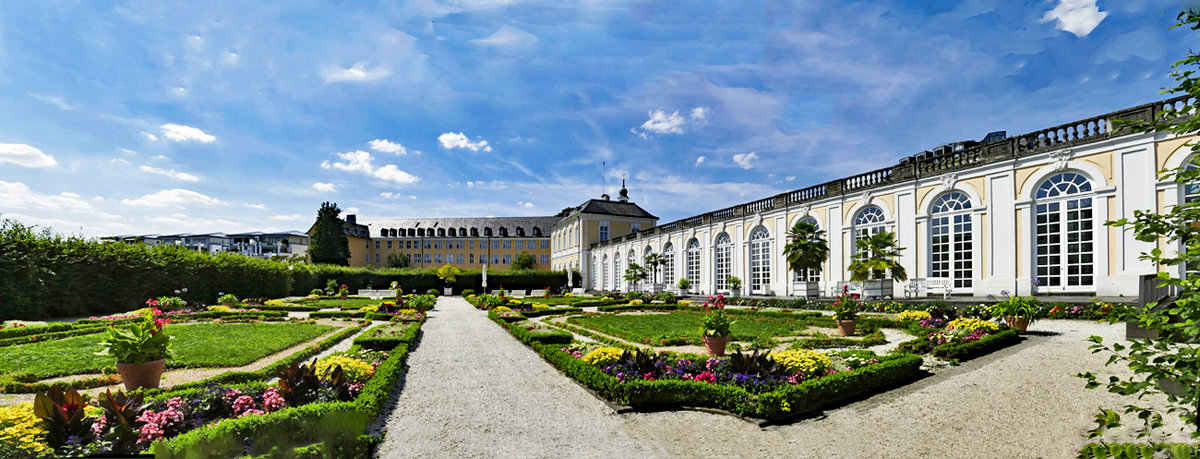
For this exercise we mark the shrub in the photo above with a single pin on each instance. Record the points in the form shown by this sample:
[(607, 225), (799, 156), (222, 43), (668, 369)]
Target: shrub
[(468, 292)]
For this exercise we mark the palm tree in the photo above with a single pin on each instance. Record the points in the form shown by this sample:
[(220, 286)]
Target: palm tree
[(876, 257), (654, 260), (806, 250)]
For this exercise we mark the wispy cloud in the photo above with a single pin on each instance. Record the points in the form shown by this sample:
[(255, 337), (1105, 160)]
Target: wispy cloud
[(361, 162), (181, 133), (1079, 17), (386, 146), (19, 196), (358, 73), (700, 160), (170, 173), (56, 101), (324, 187), (25, 156), (451, 140), (176, 197), (287, 218), (509, 37), (662, 123)]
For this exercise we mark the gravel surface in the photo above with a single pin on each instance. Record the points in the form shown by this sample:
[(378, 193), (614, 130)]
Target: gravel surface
[(471, 390)]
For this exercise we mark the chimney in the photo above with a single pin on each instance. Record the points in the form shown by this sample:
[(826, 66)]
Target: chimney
[(604, 196), (352, 219)]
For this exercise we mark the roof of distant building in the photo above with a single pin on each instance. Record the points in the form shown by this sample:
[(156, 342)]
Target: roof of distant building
[(605, 207), (543, 224)]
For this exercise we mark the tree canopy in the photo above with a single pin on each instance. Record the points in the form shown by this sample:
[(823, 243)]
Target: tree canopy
[(329, 243)]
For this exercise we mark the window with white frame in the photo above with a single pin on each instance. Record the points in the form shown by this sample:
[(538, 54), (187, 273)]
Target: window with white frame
[(723, 260), (596, 285), (693, 261), (760, 260), (950, 242), (616, 280), (807, 275), (459, 258), (1063, 231), (508, 258), (668, 264), (867, 222), (508, 245), (604, 274), (603, 231), (629, 261), (545, 259), (635, 227)]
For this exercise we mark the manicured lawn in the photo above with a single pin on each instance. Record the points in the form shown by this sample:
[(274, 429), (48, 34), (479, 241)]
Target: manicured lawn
[(557, 299), (195, 345), (354, 303), (680, 327)]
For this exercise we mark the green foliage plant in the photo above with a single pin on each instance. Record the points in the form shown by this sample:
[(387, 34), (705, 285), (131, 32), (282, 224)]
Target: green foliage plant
[(523, 260), (845, 308), (635, 273), (329, 243), (684, 284), (807, 248), (398, 260), (653, 261), (63, 415), (1175, 357), (735, 283), (877, 257), (448, 274), (1018, 306), (140, 342), (715, 323)]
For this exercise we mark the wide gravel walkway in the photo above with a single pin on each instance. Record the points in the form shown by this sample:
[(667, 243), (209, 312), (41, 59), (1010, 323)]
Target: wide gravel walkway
[(474, 391)]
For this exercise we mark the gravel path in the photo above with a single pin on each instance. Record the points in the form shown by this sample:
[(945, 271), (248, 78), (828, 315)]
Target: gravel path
[(473, 391)]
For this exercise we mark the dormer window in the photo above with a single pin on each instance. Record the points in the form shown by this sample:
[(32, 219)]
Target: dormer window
[(503, 232), (453, 233), (487, 232), (474, 232), (537, 232), (520, 231)]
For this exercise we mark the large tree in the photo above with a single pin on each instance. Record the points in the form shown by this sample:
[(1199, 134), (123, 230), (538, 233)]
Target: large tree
[(1170, 364), (329, 243), (806, 248), (523, 261)]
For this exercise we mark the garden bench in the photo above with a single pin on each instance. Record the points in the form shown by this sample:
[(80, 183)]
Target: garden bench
[(852, 287), (577, 291), (924, 286), (537, 293)]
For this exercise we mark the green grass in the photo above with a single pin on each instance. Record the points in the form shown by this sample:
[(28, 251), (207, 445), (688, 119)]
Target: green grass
[(681, 327), (195, 346), (557, 299), (354, 303)]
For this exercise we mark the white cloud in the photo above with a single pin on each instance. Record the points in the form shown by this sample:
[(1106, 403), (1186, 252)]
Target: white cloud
[(324, 187), (359, 72), (170, 173), (352, 210), (527, 205), (287, 218), (120, 161), (150, 136), (385, 146), (662, 123), (257, 206), (482, 185), (55, 101), (20, 196), (392, 173), (700, 160), (173, 198), (745, 159), (700, 113), (25, 155), (129, 152), (789, 178), (509, 37), (360, 161), (390, 195), (459, 140), (181, 133), (1079, 17), (159, 157)]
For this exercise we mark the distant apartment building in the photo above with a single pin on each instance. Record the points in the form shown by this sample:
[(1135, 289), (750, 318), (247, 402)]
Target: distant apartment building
[(467, 243), (255, 244)]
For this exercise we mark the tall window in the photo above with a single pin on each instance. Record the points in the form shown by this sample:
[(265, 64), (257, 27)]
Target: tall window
[(950, 238), (867, 222), (616, 280), (723, 260), (604, 274), (1191, 193), (693, 261), (760, 260), (669, 264), (603, 231), (1064, 231), (629, 261), (808, 275)]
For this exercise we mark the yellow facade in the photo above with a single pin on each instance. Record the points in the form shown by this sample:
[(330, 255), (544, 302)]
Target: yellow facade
[(443, 251)]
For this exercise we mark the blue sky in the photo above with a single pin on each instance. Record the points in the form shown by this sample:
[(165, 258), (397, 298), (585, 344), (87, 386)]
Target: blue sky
[(141, 118)]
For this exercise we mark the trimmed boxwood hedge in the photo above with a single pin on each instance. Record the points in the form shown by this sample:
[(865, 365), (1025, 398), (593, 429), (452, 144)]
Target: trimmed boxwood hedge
[(387, 343), (551, 311), (1138, 450), (974, 349), (638, 307)]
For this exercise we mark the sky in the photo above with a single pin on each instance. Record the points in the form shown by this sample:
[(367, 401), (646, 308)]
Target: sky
[(149, 118)]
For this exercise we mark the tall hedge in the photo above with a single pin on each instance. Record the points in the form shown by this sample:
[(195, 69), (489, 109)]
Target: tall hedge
[(307, 277), (49, 276)]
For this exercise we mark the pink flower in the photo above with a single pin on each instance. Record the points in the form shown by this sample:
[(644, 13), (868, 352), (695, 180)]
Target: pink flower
[(250, 412), (272, 401), (242, 404), (648, 376), (176, 403), (706, 377), (230, 394)]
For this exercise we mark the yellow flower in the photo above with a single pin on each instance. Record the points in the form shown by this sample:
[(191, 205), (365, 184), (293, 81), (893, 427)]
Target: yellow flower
[(368, 308), (635, 301), (219, 308), (503, 309), (567, 294), (807, 362), (407, 312), (21, 431), (685, 302), (313, 297), (913, 314), (972, 325), (353, 370), (603, 355), (274, 303), (538, 307)]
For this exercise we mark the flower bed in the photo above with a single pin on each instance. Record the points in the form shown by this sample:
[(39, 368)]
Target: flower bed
[(680, 328), (388, 336), (962, 338)]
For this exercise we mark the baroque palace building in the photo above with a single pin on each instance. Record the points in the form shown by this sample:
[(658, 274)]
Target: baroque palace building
[(1023, 214), (468, 243)]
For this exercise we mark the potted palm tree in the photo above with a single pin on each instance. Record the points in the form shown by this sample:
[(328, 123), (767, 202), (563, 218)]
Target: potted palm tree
[(876, 259), (806, 250), (654, 260), (735, 285)]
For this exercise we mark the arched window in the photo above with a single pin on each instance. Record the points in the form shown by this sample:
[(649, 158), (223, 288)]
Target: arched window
[(867, 222), (1065, 251), (693, 261), (629, 261), (668, 267), (723, 260), (604, 274), (808, 275), (1191, 192), (950, 238), (760, 260), (616, 280)]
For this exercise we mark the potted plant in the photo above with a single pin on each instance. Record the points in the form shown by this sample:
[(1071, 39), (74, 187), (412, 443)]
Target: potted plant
[(684, 285), (448, 274), (141, 350), (635, 274), (735, 285), (806, 251), (1018, 311), (714, 327), (654, 260), (343, 291), (845, 313), (876, 258)]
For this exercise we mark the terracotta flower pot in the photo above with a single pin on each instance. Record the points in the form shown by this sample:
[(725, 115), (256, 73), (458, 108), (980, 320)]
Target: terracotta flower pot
[(138, 375), (847, 326), (1020, 323), (715, 345)]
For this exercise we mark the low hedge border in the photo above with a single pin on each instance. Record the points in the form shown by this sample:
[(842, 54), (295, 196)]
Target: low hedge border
[(11, 386), (873, 337), (513, 317), (260, 315), (288, 307), (987, 345), (551, 311), (783, 403), (366, 341), (16, 332), (337, 426), (595, 336), (1138, 450), (77, 331), (524, 335)]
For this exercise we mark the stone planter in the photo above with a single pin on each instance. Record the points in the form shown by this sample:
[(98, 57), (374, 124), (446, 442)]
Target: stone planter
[(447, 291), (847, 326), (715, 345), (141, 375)]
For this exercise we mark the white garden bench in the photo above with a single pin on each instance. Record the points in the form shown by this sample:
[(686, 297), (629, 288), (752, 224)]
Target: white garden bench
[(924, 286), (537, 292), (851, 287)]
